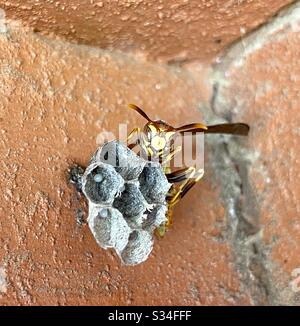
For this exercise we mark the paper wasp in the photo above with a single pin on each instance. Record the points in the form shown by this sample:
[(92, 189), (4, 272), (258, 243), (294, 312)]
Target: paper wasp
[(155, 141)]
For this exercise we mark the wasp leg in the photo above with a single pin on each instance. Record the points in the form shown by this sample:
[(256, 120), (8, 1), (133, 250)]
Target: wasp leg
[(170, 156), (192, 177), (180, 175), (133, 133)]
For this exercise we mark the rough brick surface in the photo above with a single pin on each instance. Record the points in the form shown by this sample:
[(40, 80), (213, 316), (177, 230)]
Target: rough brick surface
[(55, 100), (168, 30), (258, 82), (235, 238)]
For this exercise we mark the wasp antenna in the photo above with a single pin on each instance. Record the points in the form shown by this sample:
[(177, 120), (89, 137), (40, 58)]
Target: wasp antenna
[(139, 110), (193, 127)]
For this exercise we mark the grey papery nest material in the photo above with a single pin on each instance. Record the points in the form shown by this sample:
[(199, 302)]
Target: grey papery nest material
[(127, 201)]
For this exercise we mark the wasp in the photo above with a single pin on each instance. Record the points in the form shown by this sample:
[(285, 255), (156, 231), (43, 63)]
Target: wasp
[(156, 141)]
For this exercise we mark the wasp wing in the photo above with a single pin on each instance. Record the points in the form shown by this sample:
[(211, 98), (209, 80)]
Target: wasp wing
[(240, 129)]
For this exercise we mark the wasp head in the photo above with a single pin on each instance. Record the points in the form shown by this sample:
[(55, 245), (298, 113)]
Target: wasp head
[(156, 138)]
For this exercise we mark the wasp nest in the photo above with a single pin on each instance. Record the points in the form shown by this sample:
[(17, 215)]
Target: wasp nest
[(127, 201)]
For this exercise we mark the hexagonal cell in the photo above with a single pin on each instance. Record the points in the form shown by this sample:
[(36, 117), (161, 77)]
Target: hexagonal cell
[(139, 247), (131, 202), (124, 160), (153, 184), (108, 227), (118, 208), (101, 183)]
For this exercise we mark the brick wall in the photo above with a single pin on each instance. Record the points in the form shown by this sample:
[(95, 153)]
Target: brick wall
[(235, 236)]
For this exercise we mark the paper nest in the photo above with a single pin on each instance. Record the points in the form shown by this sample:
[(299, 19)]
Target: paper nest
[(127, 201)]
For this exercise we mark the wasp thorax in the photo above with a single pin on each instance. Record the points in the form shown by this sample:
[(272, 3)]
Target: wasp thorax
[(127, 201)]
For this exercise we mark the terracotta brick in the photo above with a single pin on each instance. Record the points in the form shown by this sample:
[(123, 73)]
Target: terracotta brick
[(171, 30), (235, 238), (258, 82), (55, 99)]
